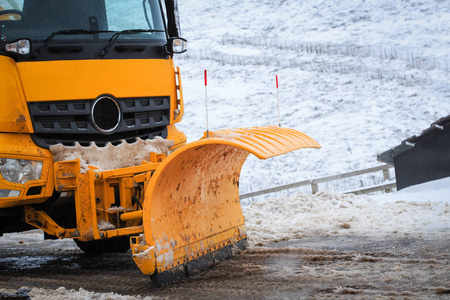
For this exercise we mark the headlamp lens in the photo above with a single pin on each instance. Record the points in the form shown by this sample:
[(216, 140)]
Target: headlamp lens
[(20, 170)]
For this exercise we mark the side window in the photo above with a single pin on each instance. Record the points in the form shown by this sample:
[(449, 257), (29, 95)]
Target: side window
[(11, 10), (11, 4)]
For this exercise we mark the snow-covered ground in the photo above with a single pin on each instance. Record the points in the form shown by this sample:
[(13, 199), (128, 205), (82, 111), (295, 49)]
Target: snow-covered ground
[(419, 213), (421, 210), (67, 294), (357, 76)]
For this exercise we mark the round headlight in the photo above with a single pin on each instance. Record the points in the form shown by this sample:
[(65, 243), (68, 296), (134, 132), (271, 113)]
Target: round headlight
[(20, 171), (11, 171)]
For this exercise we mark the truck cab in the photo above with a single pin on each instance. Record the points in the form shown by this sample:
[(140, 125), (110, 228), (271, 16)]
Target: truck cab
[(80, 72)]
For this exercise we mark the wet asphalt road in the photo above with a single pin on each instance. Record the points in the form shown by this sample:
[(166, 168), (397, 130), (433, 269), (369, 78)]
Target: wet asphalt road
[(320, 267)]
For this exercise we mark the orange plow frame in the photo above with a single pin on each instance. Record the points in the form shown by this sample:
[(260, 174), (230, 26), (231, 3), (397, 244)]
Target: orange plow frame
[(192, 212)]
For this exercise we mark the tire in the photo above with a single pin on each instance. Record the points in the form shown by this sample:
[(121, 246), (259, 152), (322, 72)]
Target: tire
[(112, 245)]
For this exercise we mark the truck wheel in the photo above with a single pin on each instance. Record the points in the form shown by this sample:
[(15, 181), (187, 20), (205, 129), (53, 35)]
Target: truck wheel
[(112, 245)]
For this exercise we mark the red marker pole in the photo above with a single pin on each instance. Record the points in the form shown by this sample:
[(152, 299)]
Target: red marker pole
[(278, 103), (206, 104)]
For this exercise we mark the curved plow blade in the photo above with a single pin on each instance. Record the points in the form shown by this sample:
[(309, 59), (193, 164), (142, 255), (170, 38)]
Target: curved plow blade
[(192, 213)]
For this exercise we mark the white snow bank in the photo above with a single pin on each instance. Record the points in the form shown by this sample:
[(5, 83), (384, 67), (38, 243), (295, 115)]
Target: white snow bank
[(419, 210), (35, 239), (70, 294), (437, 190)]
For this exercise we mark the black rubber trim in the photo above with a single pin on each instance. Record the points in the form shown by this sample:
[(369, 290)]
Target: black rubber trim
[(124, 48), (44, 141), (65, 48), (34, 190), (87, 50), (197, 265)]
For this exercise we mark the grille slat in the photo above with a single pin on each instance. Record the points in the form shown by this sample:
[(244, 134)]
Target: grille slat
[(67, 122)]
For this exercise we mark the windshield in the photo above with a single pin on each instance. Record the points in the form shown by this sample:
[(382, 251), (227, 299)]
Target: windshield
[(38, 19)]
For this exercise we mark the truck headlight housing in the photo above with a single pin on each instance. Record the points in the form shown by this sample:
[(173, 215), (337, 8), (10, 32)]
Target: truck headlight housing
[(20, 170)]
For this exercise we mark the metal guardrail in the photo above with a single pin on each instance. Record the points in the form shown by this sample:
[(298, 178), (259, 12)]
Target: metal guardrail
[(314, 183)]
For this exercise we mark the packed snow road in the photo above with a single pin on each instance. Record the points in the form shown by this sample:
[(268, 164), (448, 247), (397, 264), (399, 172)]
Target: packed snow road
[(343, 267), (326, 245)]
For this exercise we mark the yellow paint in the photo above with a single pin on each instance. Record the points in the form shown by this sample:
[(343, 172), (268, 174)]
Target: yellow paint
[(14, 115), (180, 104), (192, 201), (143, 255), (21, 145), (42, 220), (93, 185), (176, 135), (87, 79)]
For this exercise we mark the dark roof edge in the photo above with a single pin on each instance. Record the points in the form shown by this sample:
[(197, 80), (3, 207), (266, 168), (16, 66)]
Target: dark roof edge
[(439, 125)]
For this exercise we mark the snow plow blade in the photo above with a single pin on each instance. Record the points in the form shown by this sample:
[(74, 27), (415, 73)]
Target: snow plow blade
[(192, 213)]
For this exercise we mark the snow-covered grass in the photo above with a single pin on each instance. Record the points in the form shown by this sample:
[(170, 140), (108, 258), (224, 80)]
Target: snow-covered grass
[(422, 210), (357, 76)]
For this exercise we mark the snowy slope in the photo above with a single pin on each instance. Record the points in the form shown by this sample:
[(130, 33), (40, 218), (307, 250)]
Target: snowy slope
[(358, 76)]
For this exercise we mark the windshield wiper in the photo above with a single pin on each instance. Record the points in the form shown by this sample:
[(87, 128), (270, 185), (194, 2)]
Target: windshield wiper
[(68, 32), (116, 35)]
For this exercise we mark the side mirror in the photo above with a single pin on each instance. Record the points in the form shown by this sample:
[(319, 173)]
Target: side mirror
[(176, 45), (22, 46)]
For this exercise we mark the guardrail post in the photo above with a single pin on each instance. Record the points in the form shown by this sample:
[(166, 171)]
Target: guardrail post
[(387, 176), (314, 187)]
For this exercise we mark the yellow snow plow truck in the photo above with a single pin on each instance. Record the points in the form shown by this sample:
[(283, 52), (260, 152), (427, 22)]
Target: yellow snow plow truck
[(90, 81)]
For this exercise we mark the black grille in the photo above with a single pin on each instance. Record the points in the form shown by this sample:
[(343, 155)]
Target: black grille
[(67, 122)]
